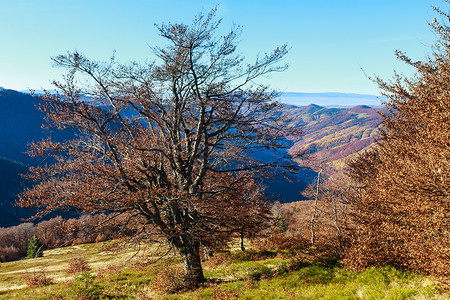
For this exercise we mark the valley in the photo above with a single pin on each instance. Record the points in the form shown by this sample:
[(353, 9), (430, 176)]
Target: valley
[(330, 135)]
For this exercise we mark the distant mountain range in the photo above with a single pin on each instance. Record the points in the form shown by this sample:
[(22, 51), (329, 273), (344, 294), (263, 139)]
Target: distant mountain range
[(331, 99), (331, 134)]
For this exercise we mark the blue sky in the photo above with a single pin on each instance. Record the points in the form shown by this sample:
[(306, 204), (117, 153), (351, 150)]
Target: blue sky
[(330, 40)]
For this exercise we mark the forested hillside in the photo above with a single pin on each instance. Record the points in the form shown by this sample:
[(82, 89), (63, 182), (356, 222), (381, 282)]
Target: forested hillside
[(332, 135), (10, 185), (20, 124)]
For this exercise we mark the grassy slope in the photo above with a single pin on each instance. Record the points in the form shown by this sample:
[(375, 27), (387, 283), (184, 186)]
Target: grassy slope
[(230, 276), (55, 262)]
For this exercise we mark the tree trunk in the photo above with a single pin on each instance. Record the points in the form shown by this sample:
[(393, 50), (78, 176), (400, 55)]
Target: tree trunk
[(336, 224), (314, 215), (242, 240), (192, 266)]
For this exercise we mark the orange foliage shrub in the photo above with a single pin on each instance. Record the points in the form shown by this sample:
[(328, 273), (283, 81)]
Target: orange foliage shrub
[(400, 203), (37, 278), (77, 264), (169, 280), (279, 241)]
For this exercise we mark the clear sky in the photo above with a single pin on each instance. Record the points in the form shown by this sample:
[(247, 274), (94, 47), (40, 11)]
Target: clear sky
[(331, 41)]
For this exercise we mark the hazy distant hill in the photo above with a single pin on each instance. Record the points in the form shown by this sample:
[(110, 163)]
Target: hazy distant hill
[(331, 99), (334, 134)]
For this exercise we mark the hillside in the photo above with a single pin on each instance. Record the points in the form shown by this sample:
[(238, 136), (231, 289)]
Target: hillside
[(10, 185), (334, 134), (20, 123), (273, 274)]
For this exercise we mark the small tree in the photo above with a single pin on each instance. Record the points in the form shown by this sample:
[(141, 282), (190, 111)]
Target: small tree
[(256, 215), (167, 143), (35, 248), (328, 210)]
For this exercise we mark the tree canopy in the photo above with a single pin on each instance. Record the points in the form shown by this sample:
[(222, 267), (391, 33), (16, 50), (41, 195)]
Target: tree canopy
[(169, 142)]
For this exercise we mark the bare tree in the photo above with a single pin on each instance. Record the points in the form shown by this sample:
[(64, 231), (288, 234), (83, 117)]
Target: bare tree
[(315, 209), (253, 214), (328, 209), (168, 143)]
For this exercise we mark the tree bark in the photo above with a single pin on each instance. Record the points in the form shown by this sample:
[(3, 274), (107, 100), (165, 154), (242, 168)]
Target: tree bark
[(242, 240), (192, 265)]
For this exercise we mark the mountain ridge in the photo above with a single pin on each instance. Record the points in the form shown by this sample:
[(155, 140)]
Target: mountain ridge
[(20, 124), (332, 133), (331, 99)]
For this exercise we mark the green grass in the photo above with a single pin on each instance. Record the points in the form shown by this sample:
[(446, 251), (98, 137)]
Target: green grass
[(317, 281), (251, 275)]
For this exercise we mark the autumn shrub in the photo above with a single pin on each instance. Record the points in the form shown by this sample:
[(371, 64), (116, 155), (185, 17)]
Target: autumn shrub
[(279, 241), (225, 293), (37, 278), (109, 269), (80, 240), (255, 255), (217, 260), (169, 279), (100, 238), (78, 264)]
